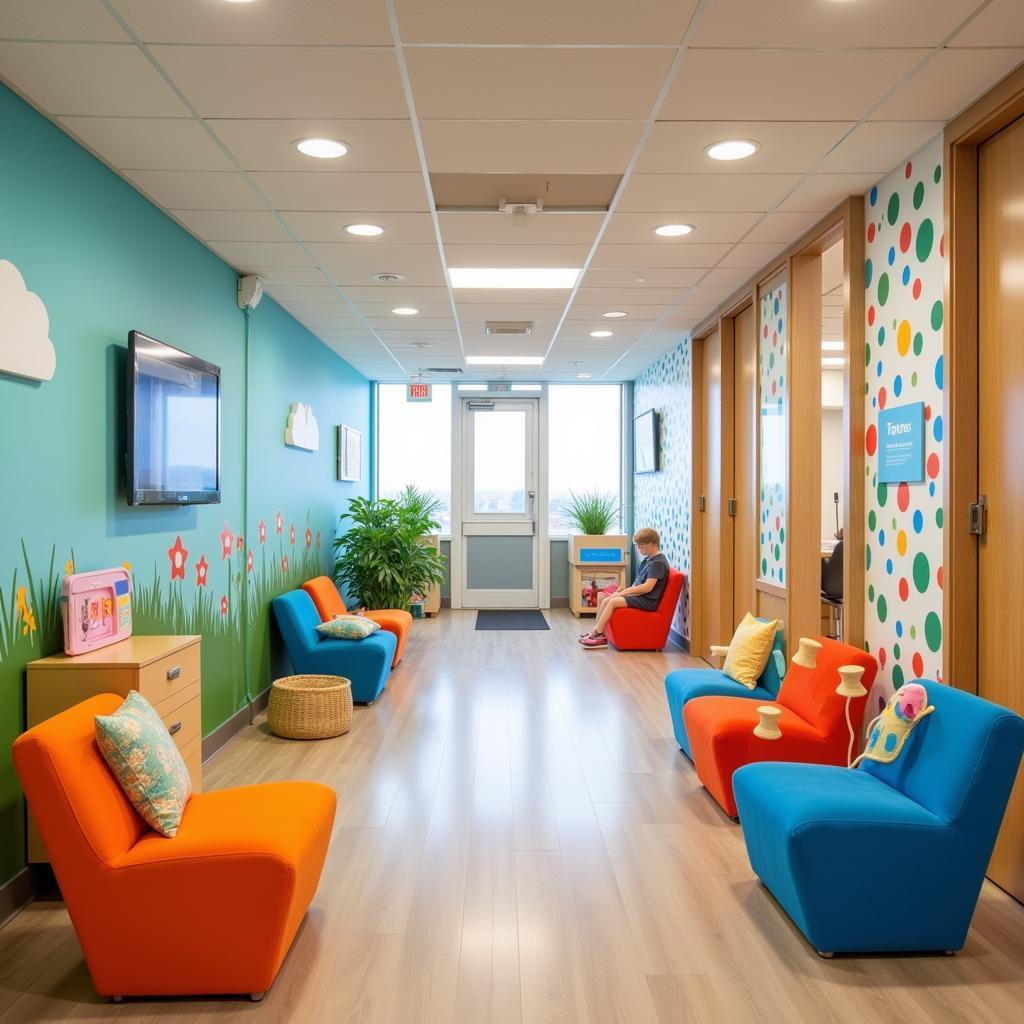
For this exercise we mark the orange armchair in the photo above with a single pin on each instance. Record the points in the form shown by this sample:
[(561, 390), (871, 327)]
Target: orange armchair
[(812, 722), (329, 603), (632, 629), (211, 911)]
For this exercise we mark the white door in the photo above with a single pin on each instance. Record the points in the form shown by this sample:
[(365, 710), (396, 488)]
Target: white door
[(500, 543)]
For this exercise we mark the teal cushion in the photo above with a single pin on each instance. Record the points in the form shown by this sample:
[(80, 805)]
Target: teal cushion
[(145, 761), (348, 627)]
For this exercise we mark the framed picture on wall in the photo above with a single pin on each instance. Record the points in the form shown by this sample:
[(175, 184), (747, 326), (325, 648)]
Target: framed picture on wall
[(350, 453), (646, 456)]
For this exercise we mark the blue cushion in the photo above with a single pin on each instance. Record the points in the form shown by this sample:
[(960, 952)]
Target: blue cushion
[(775, 668), (687, 683), (366, 662), (887, 858)]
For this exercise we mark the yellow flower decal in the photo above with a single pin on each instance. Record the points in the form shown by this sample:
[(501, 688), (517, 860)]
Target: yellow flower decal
[(25, 614), (127, 566), (69, 567)]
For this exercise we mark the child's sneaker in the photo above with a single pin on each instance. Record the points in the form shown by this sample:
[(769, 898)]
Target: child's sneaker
[(591, 642)]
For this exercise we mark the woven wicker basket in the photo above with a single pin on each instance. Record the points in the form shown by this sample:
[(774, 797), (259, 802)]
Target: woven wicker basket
[(310, 707)]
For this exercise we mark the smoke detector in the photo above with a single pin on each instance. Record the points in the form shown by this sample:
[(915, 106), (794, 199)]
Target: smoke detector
[(388, 278), (506, 327)]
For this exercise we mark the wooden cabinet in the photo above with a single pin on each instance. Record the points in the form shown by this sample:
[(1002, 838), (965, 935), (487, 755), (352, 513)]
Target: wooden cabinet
[(164, 669), (432, 604), (594, 563)]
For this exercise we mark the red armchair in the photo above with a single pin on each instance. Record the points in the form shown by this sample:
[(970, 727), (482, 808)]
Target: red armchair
[(631, 629), (812, 722)]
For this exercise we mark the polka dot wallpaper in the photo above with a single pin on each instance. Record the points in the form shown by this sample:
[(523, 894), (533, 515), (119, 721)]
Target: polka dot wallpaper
[(903, 355), (662, 500), (771, 360)]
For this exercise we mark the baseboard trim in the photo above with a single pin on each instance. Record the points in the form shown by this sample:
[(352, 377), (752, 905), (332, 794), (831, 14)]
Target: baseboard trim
[(559, 602), (682, 642), (217, 740), (33, 882)]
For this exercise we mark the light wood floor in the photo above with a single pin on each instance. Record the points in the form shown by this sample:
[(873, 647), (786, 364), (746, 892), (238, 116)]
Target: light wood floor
[(519, 839)]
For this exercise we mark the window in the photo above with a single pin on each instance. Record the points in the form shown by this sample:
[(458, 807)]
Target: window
[(414, 445), (584, 446), (499, 461)]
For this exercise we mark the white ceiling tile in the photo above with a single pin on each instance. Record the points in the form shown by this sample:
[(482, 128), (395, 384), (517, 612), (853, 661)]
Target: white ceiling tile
[(752, 256), (399, 294), (509, 309), (610, 22), (152, 144), (59, 19), (707, 226), (471, 228), (352, 264), (268, 145), (234, 225), (672, 254), (623, 298), (321, 226), (286, 81), (327, 191), (823, 191), (731, 277), (427, 310), (516, 255), (797, 85), (747, 192), (323, 293), (708, 297), (635, 313), (677, 147), (947, 84), (275, 276), (266, 254), (640, 282), (797, 23), (197, 190), (423, 325), (999, 24), (530, 147), (783, 227), (879, 145), (93, 79), (314, 22), (300, 309), (536, 84)]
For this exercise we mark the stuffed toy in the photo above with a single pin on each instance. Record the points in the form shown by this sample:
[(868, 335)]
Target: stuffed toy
[(889, 731)]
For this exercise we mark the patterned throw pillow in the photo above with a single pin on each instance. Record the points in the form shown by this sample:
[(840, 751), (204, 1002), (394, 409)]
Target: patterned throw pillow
[(138, 748), (349, 627)]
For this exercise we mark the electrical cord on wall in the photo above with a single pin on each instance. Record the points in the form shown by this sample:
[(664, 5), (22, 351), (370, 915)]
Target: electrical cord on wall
[(247, 695)]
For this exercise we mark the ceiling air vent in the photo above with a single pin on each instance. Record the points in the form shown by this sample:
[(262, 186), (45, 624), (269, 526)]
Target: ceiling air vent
[(507, 327), (442, 369)]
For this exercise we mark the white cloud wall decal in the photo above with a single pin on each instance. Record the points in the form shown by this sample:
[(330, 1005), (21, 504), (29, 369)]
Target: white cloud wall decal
[(25, 346), (302, 431)]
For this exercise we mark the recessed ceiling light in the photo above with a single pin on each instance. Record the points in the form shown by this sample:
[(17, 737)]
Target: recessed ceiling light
[(505, 360), (832, 361), (583, 376), (600, 334), (513, 277), (404, 311), (322, 149), (367, 230), (831, 346), (614, 314), (673, 230), (732, 149), (388, 278)]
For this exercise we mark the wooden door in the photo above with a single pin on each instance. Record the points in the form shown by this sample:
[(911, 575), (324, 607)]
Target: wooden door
[(1001, 456), (713, 588), (744, 464)]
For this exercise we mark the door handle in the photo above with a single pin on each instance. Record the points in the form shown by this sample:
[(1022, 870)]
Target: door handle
[(700, 503), (732, 506), (173, 673)]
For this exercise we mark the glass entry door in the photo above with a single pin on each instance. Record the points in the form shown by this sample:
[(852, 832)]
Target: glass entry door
[(499, 503)]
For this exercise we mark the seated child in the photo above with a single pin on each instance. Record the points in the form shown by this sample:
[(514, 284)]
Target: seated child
[(645, 593)]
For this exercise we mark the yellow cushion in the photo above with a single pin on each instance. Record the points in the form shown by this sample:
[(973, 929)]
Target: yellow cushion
[(748, 652)]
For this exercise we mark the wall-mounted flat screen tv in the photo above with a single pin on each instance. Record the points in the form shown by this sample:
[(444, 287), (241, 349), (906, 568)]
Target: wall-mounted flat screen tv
[(173, 425)]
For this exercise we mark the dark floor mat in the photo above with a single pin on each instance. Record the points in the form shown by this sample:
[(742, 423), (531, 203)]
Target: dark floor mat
[(516, 619)]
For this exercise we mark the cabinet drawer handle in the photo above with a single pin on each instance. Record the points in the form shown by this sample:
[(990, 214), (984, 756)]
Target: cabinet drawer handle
[(173, 673), (172, 729)]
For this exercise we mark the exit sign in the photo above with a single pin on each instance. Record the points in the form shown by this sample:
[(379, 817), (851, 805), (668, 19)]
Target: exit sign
[(418, 392)]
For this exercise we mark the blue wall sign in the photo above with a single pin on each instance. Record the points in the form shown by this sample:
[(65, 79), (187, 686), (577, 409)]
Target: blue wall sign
[(901, 444), (600, 554)]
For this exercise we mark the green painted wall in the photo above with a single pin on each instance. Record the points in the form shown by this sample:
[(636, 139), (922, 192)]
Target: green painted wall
[(104, 261)]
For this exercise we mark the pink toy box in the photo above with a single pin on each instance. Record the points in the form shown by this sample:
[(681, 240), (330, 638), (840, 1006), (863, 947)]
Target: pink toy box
[(97, 609)]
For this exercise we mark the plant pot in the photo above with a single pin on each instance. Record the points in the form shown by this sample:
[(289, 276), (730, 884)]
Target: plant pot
[(416, 610)]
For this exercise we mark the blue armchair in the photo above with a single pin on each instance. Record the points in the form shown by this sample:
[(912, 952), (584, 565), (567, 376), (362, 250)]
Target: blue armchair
[(367, 663), (685, 684), (887, 858)]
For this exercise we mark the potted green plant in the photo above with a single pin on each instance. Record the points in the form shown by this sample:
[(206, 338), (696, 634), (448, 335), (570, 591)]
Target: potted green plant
[(381, 559), (597, 559)]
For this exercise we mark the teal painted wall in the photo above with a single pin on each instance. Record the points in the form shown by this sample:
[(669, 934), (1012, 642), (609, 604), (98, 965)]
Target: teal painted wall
[(104, 261)]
